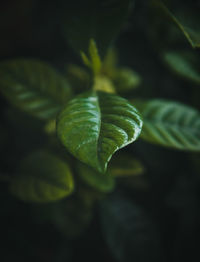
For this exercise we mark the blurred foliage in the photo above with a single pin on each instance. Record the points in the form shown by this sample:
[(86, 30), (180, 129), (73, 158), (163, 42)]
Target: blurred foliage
[(146, 206)]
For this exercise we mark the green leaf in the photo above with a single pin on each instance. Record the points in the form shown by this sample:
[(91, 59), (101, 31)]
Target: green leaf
[(123, 165), (34, 87), (95, 125), (187, 20), (94, 60), (129, 231), (100, 20), (69, 216), (170, 124), (184, 64), (42, 178), (101, 182), (125, 80)]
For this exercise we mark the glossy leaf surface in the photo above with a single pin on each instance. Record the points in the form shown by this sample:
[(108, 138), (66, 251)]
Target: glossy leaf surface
[(170, 124), (95, 125), (43, 178), (34, 87)]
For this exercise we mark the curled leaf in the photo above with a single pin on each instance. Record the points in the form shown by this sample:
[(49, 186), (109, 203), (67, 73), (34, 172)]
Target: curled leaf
[(95, 125)]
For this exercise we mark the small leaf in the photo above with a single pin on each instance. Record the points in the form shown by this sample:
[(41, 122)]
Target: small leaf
[(100, 20), (43, 178), (124, 164), (170, 124), (184, 64), (104, 84), (95, 58), (95, 125), (125, 80), (101, 182), (188, 22), (34, 87)]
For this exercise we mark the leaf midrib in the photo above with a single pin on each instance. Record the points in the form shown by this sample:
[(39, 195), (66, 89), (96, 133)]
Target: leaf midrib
[(99, 130)]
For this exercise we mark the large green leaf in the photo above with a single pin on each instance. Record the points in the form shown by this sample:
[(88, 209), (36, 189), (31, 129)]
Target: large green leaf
[(34, 87), (184, 64), (100, 20), (42, 178), (186, 18), (95, 125), (170, 124)]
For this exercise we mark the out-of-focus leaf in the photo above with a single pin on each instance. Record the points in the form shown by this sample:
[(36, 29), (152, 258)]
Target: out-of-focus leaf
[(42, 178), (129, 232), (125, 79), (34, 87), (101, 182), (78, 77), (70, 216), (184, 64), (124, 164), (104, 84), (188, 22), (170, 124), (100, 20), (95, 125)]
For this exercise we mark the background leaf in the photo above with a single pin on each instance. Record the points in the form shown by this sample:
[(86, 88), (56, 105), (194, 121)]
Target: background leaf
[(125, 164), (34, 87), (101, 182), (186, 18), (184, 64), (43, 178), (129, 231), (95, 125), (170, 124), (69, 216), (100, 20)]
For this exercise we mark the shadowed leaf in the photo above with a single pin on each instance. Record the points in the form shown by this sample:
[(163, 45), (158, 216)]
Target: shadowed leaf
[(34, 87), (43, 178), (100, 20)]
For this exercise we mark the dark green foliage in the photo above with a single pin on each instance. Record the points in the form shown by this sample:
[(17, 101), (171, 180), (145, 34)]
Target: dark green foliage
[(170, 124), (42, 177), (184, 64), (129, 231), (34, 87), (99, 157), (100, 20)]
